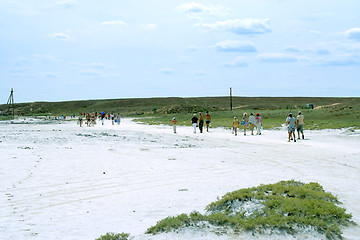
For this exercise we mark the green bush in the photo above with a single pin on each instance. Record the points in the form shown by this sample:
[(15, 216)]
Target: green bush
[(114, 236), (286, 206)]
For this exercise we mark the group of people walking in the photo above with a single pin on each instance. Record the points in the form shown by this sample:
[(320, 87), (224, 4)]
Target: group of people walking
[(90, 118), (254, 122), (195, 120), (251, 121)]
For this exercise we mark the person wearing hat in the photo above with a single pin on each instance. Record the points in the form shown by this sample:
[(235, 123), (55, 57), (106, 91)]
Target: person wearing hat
[(258, 124), (174, 122), (235, 126), (291, 124), (102, 118), (300, 125), (194, 121)]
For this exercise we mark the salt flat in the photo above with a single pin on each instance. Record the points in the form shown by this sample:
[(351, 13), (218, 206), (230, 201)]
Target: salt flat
[(60, 181)]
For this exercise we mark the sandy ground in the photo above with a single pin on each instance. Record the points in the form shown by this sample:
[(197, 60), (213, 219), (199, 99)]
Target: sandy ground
[(60, 181)]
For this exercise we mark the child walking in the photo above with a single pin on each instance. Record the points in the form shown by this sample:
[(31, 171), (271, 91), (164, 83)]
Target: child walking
[(245, 122), (235, 126)]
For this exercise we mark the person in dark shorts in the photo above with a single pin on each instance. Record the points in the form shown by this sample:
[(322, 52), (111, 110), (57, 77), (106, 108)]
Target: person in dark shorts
[(201, 122), (300, 125), (291, 124), (207, 120)]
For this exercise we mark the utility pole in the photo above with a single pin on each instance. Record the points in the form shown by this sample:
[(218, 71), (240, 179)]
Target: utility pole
[(230, 99), (10, 102)]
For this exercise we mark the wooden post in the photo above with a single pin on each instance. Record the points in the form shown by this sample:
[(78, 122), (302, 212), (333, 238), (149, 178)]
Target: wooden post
[(230, 99)]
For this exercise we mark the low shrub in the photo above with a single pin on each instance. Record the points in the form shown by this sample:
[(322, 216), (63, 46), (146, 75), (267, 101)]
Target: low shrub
[(114, 236), (285, 206)]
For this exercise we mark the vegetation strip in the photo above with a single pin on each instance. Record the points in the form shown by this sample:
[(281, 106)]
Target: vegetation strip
[(328, 113)]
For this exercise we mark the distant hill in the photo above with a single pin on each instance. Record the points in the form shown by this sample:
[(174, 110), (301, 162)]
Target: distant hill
[(141, 106)]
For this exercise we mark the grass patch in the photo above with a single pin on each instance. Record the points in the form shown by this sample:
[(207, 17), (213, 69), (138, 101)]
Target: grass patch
[(286, 206), (6, 117), (272, 119), (114, 236)]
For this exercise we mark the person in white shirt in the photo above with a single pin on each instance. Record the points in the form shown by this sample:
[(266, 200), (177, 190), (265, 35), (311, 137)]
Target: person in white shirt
[(291, 124), (252, 123), (300, 125), (258, 124), (112, 117), (174, 124)]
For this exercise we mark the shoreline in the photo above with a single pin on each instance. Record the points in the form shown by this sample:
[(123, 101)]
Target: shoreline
[(22, 120)]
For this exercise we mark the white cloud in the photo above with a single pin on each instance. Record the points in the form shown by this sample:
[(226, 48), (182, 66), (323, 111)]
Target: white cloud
[(336, 46), (166, 71), (277, 58), (97, 65), (65, 4), (195, 18), (237, 62), (316, 33), (200, 8), (150, 26), (61, 36), (191, 7), (114, 22), (46, 57), (93, 65), (50, 75), (323, 52), (291, 48), (235, 46), (90, 73), (353, 33), (317, 48), (240, 26), (199, 73), (342, 61), (23, 8), (191, 48), (92, 69)]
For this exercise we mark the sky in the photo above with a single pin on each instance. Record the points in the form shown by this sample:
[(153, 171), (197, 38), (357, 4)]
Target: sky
[(64, 50)]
